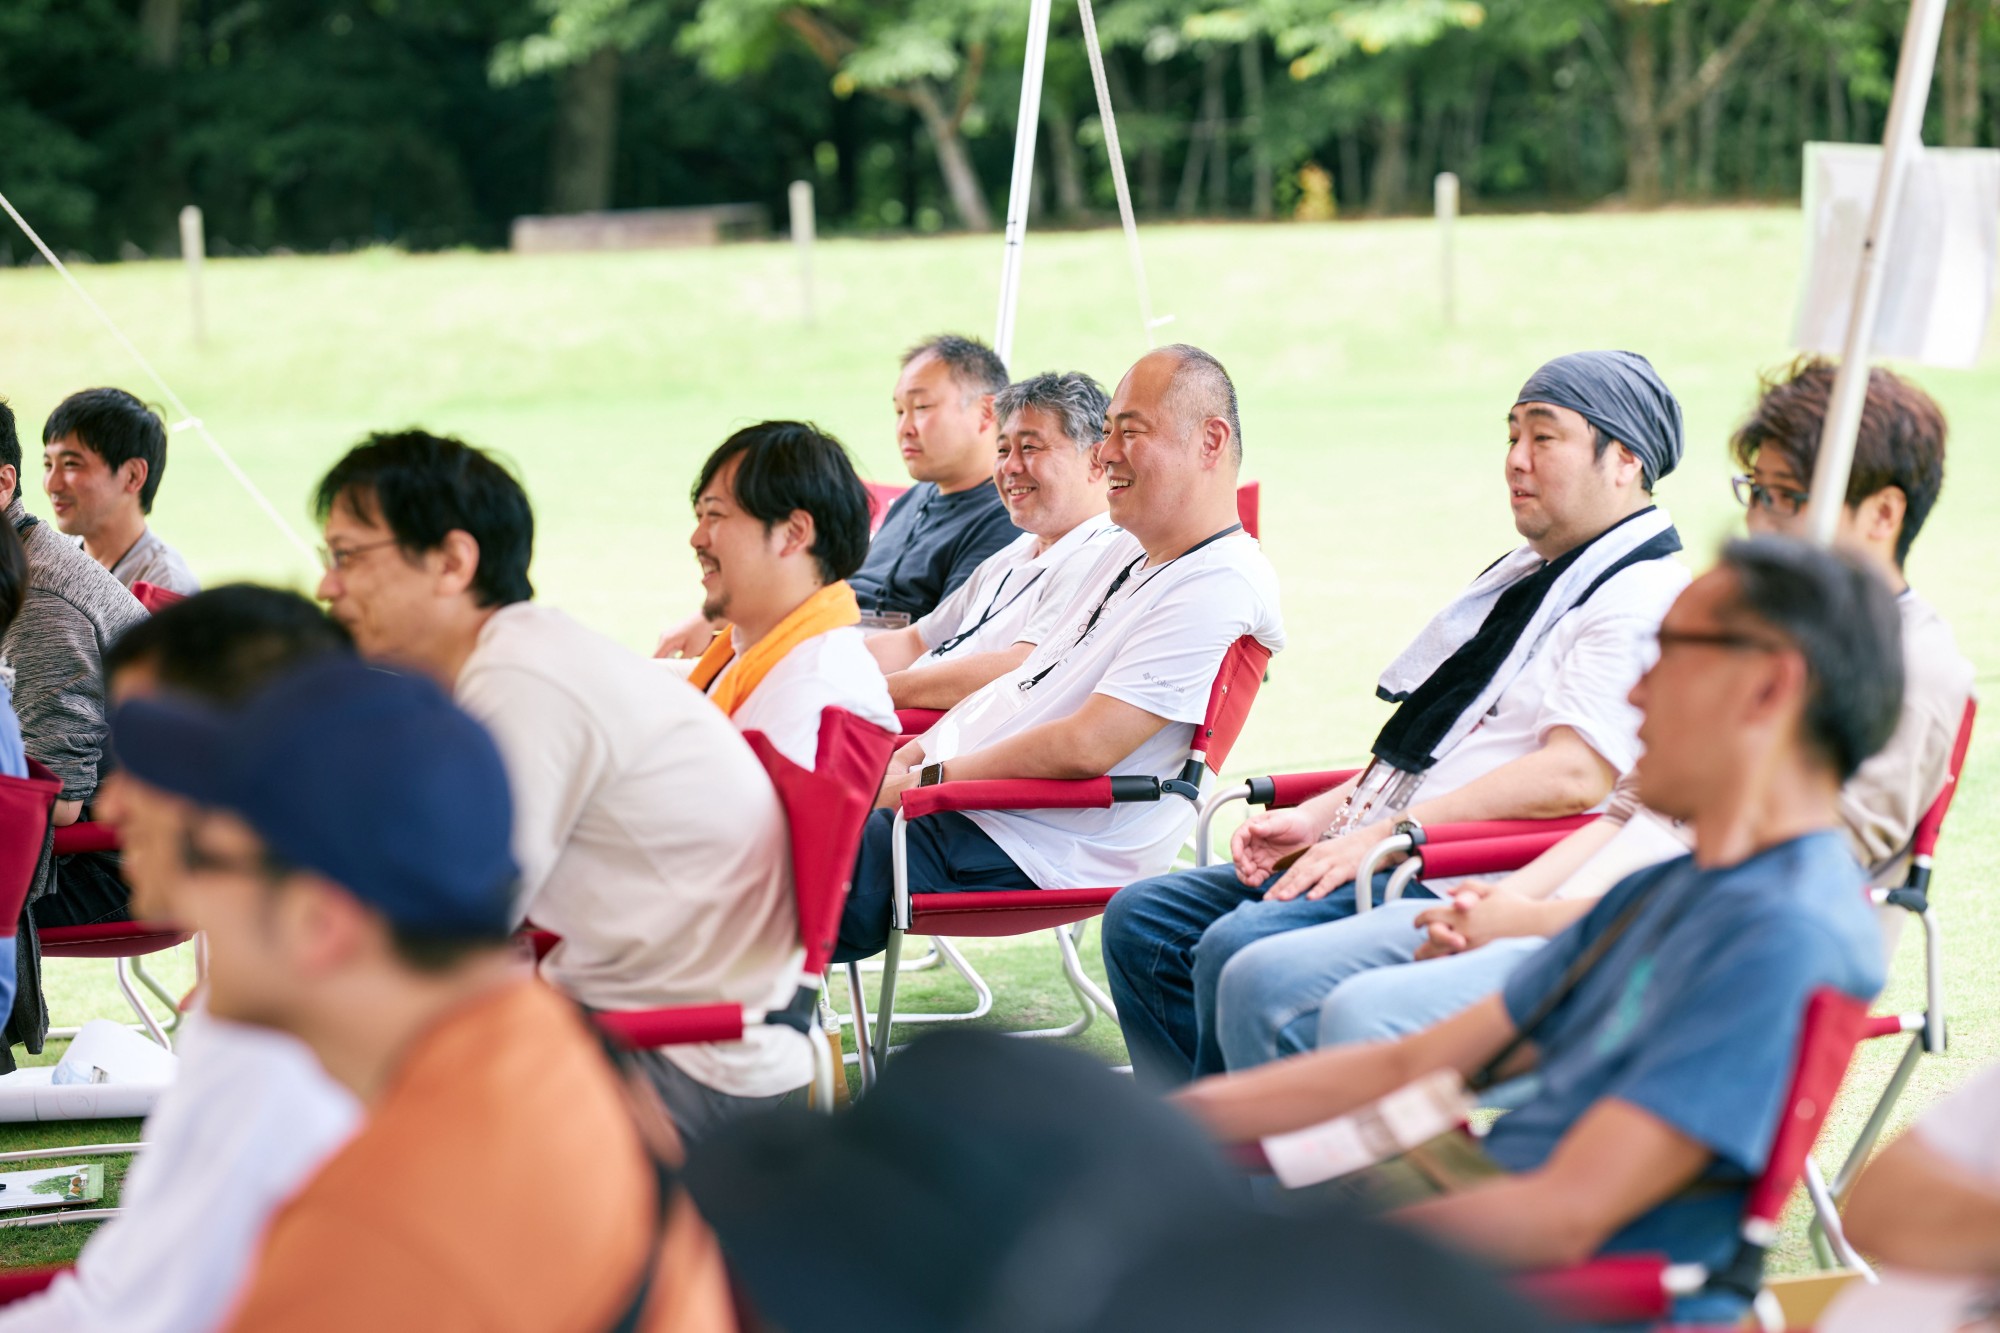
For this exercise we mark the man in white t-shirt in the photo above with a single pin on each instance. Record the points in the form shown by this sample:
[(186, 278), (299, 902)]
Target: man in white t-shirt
[(648, 837), (780, 522), (1051, 479), (1512, 705), (1121, 684), (1352, 980), (250, 1115)]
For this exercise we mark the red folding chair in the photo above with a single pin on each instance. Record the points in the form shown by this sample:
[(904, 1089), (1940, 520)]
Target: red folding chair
[(126, 943), (996, 914), (825, 807), (1634, 1288), (155, 598), (1925, 1028), (881, 494)]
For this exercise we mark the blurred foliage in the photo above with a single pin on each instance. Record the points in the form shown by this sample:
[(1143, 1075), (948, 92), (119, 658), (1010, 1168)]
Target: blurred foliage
[(325, 124)]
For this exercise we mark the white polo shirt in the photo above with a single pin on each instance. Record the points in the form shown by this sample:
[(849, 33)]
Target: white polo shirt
[(1579, 677), (830, 670), (1014, 595), (648, 837), (1157, 645)]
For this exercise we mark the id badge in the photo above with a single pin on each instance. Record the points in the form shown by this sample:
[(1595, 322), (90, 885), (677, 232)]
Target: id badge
[(1407, 1119), (975, 721), (874, 622)]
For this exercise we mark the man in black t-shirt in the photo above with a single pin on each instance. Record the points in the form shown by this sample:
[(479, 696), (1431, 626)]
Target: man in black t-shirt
[(938, 531)]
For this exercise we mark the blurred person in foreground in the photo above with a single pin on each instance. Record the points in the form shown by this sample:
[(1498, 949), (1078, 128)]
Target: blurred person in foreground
[(935, 533), (250, 1114), (781, 521), (648, 835), (1053, 484), (389, 955), (1664, 1025), (104, 454), (1343, 981)]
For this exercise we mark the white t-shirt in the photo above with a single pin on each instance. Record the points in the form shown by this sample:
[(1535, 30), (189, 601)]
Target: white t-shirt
[(1579, 678), (249, 1117), (648, 837), (1157, 646), (1015, 594), (830, 670)]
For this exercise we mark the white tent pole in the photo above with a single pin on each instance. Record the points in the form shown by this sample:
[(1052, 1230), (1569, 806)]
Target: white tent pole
[(1023, 182), (1110, 124), (1902, 142)]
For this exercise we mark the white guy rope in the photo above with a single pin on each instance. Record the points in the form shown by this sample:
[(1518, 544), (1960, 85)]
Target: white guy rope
[(1902, 141), (1023, 182), (1110, 125), (188, 420)]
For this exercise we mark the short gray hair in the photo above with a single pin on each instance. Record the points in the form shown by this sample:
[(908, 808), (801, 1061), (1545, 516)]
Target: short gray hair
[(1074, 399), (1201, 389)]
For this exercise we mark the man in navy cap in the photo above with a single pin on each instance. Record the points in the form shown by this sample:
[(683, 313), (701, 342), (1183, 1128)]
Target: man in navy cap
[(347, 854), (1511, 704)]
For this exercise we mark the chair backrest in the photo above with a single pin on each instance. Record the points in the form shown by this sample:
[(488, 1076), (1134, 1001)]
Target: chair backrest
[(1229, 700), (1924, 841), (881, 494), (1833, 1025), (825, 807), (1249, 506), (155, 598), (24, 825)]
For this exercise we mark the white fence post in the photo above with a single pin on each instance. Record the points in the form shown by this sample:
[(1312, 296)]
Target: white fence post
[(193, 250), (801, 197), (1446, 199)]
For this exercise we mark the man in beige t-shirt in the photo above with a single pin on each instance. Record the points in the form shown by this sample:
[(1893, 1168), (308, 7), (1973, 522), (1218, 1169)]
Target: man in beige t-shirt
[(648, 835), (1343, 983)]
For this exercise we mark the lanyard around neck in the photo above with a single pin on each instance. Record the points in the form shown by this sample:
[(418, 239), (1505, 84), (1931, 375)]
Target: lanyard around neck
[(993, 608), (1090, 626)]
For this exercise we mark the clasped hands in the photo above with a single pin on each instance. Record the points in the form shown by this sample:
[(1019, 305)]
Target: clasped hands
[(1262, 841)]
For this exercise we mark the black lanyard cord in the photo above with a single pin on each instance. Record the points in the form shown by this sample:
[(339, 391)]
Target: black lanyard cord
[(1090, 626), (993, 608)]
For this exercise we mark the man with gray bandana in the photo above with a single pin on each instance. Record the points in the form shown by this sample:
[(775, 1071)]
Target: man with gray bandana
[(1511, 705)]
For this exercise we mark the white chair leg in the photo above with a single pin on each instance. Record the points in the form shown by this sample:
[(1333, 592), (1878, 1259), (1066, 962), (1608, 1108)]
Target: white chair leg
[(1828, 1216), (153, 1028), (885, 1012)]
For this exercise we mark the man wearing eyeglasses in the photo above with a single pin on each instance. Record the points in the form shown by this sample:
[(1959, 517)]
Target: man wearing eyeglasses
[(1353, 981), (647, 833), (1664, 1025), (1053, 485)]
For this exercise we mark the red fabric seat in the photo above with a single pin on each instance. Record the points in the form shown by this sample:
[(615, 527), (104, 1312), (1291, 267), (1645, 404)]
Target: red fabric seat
[(155, 598), (113, 939), (85, 836)]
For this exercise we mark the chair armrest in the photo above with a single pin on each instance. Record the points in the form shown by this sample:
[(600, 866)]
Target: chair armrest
[(1623, 1288), (1486, 829), (1486, 856), (682, 1025), (1028, 794), (1284, 790), (917, 721), (85, 836)]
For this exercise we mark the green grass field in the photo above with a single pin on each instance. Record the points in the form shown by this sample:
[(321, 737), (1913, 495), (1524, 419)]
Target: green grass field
[(1377, 431)]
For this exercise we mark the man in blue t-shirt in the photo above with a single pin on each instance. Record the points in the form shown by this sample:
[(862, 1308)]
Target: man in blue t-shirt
[(1663, 1063)]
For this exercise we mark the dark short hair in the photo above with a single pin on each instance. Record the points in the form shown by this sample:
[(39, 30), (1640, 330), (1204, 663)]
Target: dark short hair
[(118, 428), (793, 465), (1202, 387), (432, 955), (1842, 618), (10, 441), (1900, 444), (1074, 399), (13, 575), (224, 644), (975, 367), (424, 487)]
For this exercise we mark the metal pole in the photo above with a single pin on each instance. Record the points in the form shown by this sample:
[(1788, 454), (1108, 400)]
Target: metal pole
[(1110, 122), (1446, 200), (1902, 141), (193, 249), (1023, 183), (801, 198)]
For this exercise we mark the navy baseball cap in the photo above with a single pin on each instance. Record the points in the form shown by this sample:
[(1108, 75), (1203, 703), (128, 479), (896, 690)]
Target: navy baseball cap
[(370, 777)]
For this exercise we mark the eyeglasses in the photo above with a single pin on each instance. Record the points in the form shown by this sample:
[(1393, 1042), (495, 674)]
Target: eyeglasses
[(331, 558), (1753, 494), (1749, 643)]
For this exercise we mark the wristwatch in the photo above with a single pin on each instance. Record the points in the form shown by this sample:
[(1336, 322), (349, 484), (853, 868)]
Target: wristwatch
[(930, 775), (1411, 829)]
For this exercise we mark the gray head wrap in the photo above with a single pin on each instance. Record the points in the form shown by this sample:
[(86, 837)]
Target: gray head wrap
[(1622, 395)]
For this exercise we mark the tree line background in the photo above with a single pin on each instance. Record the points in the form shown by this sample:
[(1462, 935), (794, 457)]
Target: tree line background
[(312, 125)]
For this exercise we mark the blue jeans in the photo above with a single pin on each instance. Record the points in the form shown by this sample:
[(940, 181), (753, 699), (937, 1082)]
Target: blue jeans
[(948, 853), (1395, 1001), (1166, 941)]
